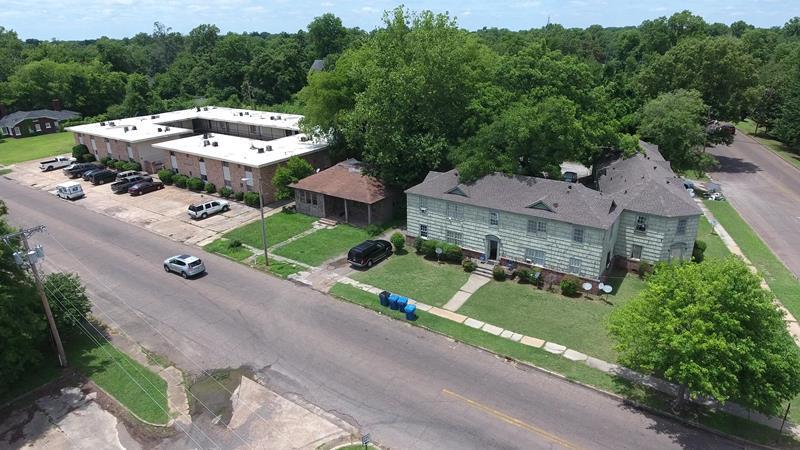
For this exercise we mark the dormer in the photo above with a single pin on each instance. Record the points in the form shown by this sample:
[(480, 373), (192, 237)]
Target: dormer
[(541, 205), (457, 191)]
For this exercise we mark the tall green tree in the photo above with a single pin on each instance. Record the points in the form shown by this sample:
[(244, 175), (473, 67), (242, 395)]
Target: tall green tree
[(675, 121), (711, 329), (277, 71), (10, 53), (326, 36), (294, 170)]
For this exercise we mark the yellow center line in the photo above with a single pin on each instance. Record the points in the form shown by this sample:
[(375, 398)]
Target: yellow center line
[(512, 420)]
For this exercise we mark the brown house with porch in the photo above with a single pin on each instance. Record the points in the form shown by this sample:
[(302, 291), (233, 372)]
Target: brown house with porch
[(343, 193)]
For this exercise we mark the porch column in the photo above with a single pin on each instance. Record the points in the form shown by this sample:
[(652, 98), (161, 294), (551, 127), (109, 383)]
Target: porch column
[(369, 214), (346, 220)]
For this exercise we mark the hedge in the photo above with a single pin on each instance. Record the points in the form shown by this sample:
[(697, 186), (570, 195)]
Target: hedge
[(166, 176), (428, 248), (195, 184), (569, 285), (251, 199), (180, 180), (210, 188), (226, 192)]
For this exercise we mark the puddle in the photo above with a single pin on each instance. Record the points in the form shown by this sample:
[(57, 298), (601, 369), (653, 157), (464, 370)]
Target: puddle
[(211, 394)]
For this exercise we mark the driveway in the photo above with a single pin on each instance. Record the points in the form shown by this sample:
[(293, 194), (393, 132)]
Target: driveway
[(406, 386), (162, 212), (765, 190)]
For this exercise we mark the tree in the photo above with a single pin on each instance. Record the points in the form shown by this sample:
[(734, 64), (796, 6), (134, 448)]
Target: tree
[(296, 168), (676, 123), (787, 124), (10, 52), (202, 39), (138, 97), (711, 329), (277, 71), (766, 106), (326, 36), (71, 306)]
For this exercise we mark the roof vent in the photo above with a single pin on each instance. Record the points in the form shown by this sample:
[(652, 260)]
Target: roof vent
[(160, 129), (304, 138), (153, 117), (261, 149), (655, 167), (126, 129), (241, 114), (268, 148), (166, 128), (215, 144), (111, 124), (205, 135), (206, 142), (133, 128), (555, 205), (569, 187), (198, 109), (205, 109), (271, 117)]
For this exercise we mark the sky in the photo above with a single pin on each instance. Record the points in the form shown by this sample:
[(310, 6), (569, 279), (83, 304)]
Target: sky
[(89, 19)]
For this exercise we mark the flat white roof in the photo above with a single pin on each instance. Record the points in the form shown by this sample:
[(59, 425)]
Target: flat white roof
[(129, 130), (244, 151)]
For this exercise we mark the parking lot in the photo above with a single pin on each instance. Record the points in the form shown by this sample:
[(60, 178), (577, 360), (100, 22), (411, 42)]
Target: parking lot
[(162, 212)]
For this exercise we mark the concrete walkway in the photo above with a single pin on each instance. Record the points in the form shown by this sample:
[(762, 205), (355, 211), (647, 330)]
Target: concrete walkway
[(791, 322), (576, 356), (474, 282)]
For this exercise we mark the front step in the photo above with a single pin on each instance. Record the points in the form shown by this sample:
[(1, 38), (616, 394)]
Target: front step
[(484, 270), (327, 222)]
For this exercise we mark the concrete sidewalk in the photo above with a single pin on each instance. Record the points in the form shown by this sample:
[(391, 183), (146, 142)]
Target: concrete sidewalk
[(474, 282)]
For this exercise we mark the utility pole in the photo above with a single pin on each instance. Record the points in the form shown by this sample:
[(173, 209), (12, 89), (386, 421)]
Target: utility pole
[(31, 257)]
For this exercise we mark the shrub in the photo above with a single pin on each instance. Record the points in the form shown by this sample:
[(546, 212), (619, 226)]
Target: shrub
[(195, 184), (449, 252), (418, 243), (106, 160), (88, 157), (239, 196), (523, 275), (79, 150), (234, 243), (698, 252), (644, 268), (469, 265), (373, 230), (166, 176), (119, 165), (251, 199), (210, 188), (570, 285), (399, 241), (535, 276), (131, 165), (180, 180), (226, 192), (499, 273)]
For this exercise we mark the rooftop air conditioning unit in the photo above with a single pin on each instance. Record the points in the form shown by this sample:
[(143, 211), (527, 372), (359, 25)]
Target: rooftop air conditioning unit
[(205, 135), (268, 148), (166, 128), (271, 117), (215, 144), (205, 109), (260, 149), (277, 117), (126, 129), (111, 124), (205, 143), (102, 124), (159, 129), (153, 117), (241, 114), (198, 109), (133, 127), (304, 139)]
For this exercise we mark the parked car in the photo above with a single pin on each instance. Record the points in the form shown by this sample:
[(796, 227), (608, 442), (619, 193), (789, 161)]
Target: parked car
[(122, 186), (102, 176), (144, 187), (205, 209), (71, 190), (77, 169), (185, 265), (130, 173), (369, 252), (56, 163), (88, 174)]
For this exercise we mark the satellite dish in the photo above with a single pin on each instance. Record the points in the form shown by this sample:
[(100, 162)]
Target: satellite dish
[(587, 286), (439, 250), (607, 288)]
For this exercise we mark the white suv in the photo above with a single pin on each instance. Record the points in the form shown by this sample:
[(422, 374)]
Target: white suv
[(205, 209), (186, 265)]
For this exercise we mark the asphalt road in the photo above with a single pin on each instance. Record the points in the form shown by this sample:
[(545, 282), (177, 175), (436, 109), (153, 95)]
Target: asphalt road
[(765, 190), (407, 387)]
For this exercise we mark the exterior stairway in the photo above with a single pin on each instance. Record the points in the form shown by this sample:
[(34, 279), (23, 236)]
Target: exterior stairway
[(484, 270)]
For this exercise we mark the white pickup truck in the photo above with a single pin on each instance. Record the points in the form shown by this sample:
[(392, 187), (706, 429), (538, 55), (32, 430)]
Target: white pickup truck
[(56, 163)]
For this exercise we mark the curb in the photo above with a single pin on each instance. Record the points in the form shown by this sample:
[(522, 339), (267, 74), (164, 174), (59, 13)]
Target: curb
[(626, 401)]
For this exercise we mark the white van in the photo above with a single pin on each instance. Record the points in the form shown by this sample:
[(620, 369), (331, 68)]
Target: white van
[(70, 190)]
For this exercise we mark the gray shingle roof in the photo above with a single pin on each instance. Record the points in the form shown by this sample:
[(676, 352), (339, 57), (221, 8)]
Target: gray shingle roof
[(643, 183), (16, 117)]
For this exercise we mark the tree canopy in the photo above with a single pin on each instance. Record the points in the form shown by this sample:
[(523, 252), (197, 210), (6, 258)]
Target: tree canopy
[(711, 329)]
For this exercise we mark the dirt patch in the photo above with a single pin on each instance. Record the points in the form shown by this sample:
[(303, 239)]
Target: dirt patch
[(210, 394)]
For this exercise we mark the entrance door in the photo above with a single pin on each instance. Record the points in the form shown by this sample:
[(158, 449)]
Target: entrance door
[(676, 253), (493, 245)]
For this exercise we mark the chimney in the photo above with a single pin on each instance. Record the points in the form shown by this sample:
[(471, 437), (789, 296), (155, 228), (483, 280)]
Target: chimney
[(56, 105), (3, 111)]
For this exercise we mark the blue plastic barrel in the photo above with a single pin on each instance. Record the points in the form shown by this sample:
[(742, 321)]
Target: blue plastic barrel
[(410, 311), (384, 298), (401, 302), (393, 301)]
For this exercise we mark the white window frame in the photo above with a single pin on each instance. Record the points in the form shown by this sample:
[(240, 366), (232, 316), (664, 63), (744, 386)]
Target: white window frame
[(494, 219), (574, 266), (37, 127), (541, 226), (455, 211), (423, 230), (536, 257), (578, 235), (129, 148), (454, 238), (93, 142), (47, 125), (634, 248), (17, 131), (423, 204), (681, 229), (641, 224), (203, 171), (226, 174)]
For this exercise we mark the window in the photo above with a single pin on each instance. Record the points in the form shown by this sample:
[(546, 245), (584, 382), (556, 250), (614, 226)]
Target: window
[(253, 129), (641, 224), (494, 219), (575, 266), (455, 238), (248, 173), (47, 125), (423, 230), (541, 227), (455, 211), (577, 235), (681, 227), (203, 173), (535, 256), (37, 127), (5, 130), (108, 146), (423, 204), (17, 131), (636, 251), (130, 152), (531, 226), (94, 144)]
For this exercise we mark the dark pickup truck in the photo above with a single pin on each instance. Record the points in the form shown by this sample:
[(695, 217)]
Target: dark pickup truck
[(76, 170), (122, 186)]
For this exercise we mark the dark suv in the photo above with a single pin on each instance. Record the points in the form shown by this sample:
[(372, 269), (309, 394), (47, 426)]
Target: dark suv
[(369, 252), (121, 187), (102, 176), (76, 170)]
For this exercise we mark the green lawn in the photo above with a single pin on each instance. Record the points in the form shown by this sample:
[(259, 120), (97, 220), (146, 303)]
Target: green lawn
[(280, 227), (133, 385), (323, 245), (791, 155), (413, 276), (578, 323), (278, 268), (222, 247), (715, 247), (25, 149), (695, 175), (782, 282), (571, 370)]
